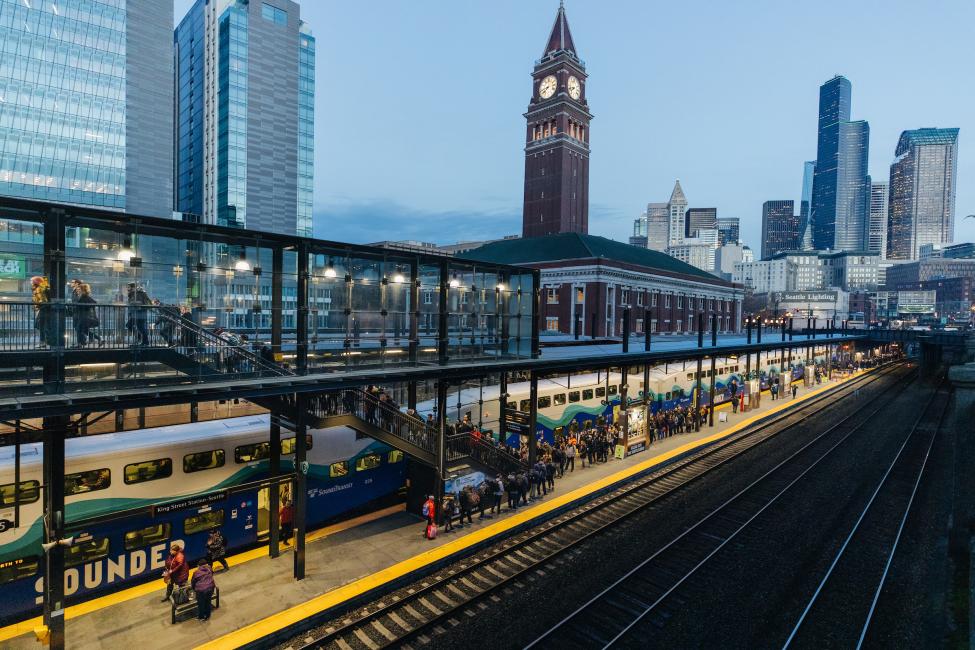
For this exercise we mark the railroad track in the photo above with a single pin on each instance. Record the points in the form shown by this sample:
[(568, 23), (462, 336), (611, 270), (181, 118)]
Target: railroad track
[(417, 613), (642, 592), (839, 612)]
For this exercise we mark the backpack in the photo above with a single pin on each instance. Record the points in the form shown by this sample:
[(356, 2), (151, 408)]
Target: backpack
[(426, 508), (181, 595), (475, 498)]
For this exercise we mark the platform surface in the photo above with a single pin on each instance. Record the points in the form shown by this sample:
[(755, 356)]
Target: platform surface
[(343, 561)]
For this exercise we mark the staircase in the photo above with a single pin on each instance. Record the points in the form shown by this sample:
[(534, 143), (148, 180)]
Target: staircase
[(352, 407)]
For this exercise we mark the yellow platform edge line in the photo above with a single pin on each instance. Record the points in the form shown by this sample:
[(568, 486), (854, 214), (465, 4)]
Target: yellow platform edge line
[(329, 599), (96, 604)]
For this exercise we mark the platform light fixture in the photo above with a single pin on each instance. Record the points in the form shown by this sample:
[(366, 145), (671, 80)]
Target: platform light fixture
[(126, 253), (454, 282), (330, 269), (242, 264)]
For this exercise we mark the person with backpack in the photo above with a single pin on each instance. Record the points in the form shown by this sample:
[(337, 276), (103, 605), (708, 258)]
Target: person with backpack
[(448, 508), (498, 494), (512, 485), (138, 303), (217, 549), (429, 511), (203, 586), (466, 506)]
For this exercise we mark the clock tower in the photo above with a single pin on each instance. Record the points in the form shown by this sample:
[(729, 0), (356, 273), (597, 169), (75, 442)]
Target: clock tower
[(557, 149)]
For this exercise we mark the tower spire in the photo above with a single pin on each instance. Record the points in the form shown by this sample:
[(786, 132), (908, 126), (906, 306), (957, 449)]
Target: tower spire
[(560, 38)]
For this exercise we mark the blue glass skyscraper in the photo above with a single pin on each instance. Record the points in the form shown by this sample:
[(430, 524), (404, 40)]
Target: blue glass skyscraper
[(245, 79), (841, 193), (86, 103)]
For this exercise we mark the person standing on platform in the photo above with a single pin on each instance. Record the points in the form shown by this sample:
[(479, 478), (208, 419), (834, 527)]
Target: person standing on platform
[(286, 520), (447, 510), (203, 586), (217, 550), (570, 456), (498, 494), (795, 389), (429, 510), (177, 570), (512, 486)]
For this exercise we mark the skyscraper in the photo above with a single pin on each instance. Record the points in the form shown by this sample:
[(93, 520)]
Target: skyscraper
[(557, 142), (658, 226), (676, 208), (877, 235), (840, 195), (780, 228), (729, 229), (86, 103), (245, 89), (922, 192), (639, 236), (696, 219), (805, 203)]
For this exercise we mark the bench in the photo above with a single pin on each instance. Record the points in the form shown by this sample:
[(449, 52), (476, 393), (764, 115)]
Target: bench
[(181, 611)]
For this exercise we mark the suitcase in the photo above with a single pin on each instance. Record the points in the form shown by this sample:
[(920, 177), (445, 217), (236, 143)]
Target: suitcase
[(431, 531)]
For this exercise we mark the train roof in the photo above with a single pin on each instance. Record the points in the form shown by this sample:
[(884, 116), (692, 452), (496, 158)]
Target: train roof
[(111, 443)]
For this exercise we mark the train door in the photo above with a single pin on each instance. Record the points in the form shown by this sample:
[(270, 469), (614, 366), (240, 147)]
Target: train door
[(264, 508)]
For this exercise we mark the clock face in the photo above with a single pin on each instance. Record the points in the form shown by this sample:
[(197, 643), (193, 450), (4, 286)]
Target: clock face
[(547, 88), (575, 89)]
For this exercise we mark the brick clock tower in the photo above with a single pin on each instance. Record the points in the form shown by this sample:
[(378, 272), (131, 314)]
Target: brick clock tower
[(557, 149)]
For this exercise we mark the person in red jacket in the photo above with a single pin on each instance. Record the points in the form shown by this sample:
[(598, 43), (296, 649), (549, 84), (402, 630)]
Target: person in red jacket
[(177, 570), (430, 512), (286, 518)]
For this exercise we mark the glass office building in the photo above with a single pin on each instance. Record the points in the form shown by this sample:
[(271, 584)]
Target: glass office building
[(805, 204), (877, 236), (840, 193), (245, 100), (922, 192), (85, 114)]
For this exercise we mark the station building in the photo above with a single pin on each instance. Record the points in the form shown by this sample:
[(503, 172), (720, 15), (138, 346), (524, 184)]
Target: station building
[(588, 281)]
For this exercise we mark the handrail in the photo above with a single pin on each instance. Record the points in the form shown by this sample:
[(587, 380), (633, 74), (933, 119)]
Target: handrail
[(359, 403)]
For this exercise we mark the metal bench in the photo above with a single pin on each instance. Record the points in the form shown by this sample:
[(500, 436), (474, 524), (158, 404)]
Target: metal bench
[(180, 612)]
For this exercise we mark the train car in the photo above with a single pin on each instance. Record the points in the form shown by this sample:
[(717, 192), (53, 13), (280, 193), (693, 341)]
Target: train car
[(587, 397), (195, 479)]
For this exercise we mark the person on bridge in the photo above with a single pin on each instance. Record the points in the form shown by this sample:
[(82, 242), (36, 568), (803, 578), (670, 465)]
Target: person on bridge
[(43, 318), (83, 313), (137, 323)]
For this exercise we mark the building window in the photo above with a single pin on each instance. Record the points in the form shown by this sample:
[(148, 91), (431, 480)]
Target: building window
[(639, 298), (580, 295), (275, 15), (667, 300), (680, 301), (624, 296), (552, 324), (653, 325), (552, 296), (653, 299)]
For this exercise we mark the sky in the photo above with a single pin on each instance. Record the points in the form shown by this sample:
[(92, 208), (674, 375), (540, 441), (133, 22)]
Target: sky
[(419, 104)]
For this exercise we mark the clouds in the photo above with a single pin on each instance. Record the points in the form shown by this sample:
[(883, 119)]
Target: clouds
[(369, 221)]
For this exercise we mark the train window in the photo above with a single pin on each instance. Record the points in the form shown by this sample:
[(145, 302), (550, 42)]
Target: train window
[(202, 460), (250, 453), (370, 461), (524, 405), (587, 393), (612, 389), (574, 396), (30, 491), (288, 444), (544, 402), (18, 569), (601, 391), (203, 521), (512, 406), (395, 456), (339, 469), (149, 470), (85, 552), (145, 536), (559, 399), (81, 482)]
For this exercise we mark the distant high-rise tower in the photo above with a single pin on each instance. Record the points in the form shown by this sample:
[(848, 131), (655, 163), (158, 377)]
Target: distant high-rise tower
[(922, 192), (557, 150), (86, 104), (245, 93), (877, 236), (780, 228), (658, 226), (639, 236), (840, 198), (805, 203), (728, 230), (676, 209), (697, 219)]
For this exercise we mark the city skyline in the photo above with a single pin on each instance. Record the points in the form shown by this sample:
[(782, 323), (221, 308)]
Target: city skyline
[(434, 175)]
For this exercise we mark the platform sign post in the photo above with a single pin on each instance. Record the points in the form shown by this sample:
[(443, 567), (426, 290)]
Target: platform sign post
[(624, 403), (300, 495), (646, 330), (55, 430), (533, 419), (700, 329), (626, 330), (714, 330), (711, 390), (274, 491)]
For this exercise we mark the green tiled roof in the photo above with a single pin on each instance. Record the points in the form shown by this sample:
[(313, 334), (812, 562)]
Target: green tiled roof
[(571, 245)]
